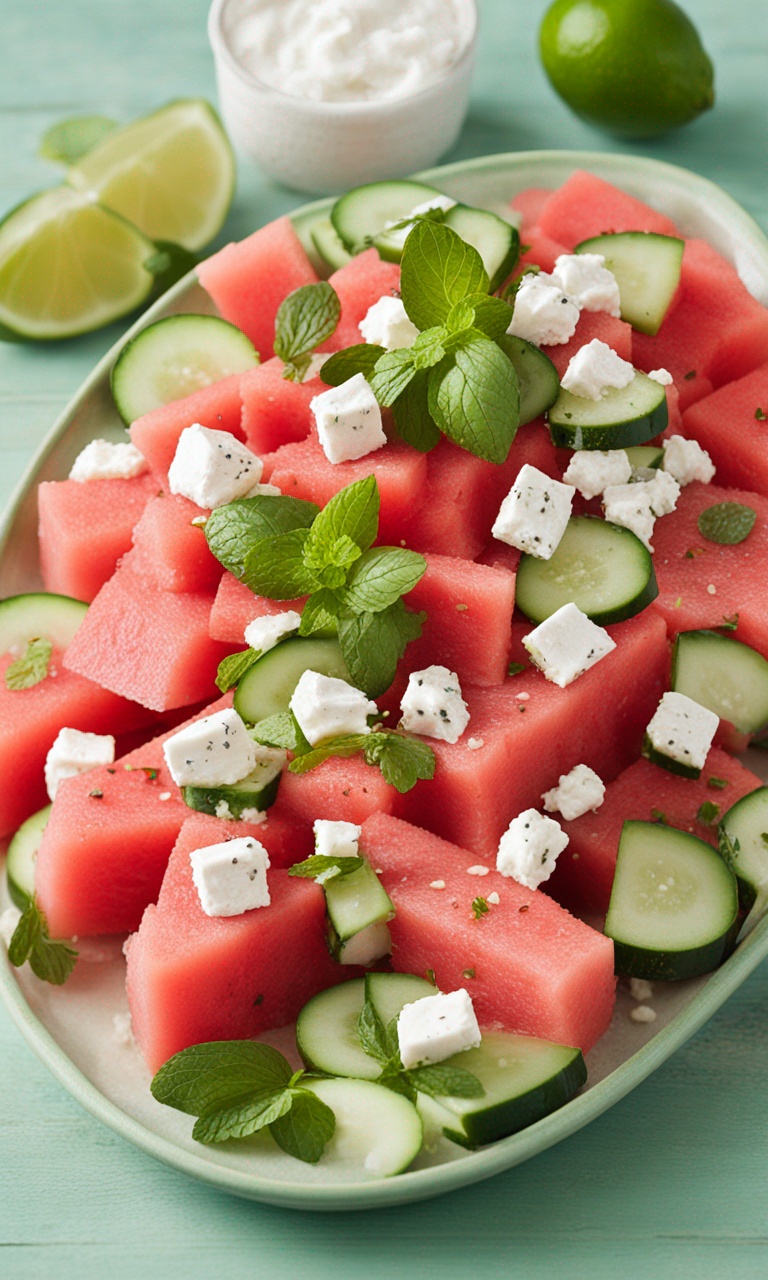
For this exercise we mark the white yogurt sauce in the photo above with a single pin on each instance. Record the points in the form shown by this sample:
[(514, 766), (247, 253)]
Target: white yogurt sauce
[(349, 50)]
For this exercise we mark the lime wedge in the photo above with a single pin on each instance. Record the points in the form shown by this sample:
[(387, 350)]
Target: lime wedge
[(172, 174), (68, 266)]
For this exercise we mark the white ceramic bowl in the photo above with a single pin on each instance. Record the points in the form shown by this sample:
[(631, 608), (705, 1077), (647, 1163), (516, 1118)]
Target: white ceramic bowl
[(327, 147)]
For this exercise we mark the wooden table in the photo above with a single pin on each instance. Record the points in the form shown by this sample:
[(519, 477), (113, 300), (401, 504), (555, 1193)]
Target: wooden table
[(674, 1181)]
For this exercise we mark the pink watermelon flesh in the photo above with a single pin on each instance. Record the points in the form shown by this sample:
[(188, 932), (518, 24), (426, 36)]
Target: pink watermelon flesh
[(587, 206), (235, 606), (537, 970), (194, 978), (103, 857), (146, 644), (598, 720), (170, 550), (530, 203), (339, 790), (157, 433), (275, 410), (583, 877), (737, 573), (593, 324), (359, 284), (541, 250), (469, 612), (729, 426), (250, 278), (303, 471), (85, 529)]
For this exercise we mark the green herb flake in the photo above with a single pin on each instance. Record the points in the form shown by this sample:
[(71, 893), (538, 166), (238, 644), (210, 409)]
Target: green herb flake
[(31, 668), (431, 977), (658, 815), (690, 375), (515, 668), (693, 552), (468, 973), (708, 813), (729, 623), (717, 784), (761, 415), (727, 523), (479, 908)]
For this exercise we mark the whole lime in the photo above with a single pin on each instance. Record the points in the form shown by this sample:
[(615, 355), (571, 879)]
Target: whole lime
[(634, 67)]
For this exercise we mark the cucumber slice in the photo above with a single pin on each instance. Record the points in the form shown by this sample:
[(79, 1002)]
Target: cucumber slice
[(388, 992), (743, 834), (624, 416), (497, 241), (268, 686), (602, 568), (173, 358), (22, 856), (326, 1028), (524, 1080), (539, 383), (647, 268), (328, 244), (645, 457), (39, 616), (356, 901), (257, 791), (377, 1130), (674, 905), (362, 214), (724, 675)]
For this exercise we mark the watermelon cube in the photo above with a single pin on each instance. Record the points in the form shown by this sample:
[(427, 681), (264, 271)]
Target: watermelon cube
[(157, 433), (249, 278), (359, 284), (85, 529), (541, 250), (275, 410), (732, 425), (586, 206), (529, 204), (593, 324), (339, 790), (170, 550), (235, 605), (528, 965)]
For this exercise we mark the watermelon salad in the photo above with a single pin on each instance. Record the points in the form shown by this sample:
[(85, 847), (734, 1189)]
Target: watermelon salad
[(390, 681)]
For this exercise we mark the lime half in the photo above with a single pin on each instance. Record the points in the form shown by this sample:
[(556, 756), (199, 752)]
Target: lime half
[(68, 266), (172, 174)]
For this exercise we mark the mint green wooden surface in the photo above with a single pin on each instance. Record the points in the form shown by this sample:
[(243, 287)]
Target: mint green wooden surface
[(674, 1181)]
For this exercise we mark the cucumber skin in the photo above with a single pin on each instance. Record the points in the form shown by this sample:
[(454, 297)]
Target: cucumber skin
[(205, 799), (674, 966), (612, 436), (602, 619), (666, 762), (519, 1113), (747, 891)]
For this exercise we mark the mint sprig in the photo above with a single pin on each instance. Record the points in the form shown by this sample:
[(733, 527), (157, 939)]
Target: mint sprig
[(438, 269), (49, 960), (304, 320), (325, 865), (234, 667), (232, 530), (403, 761), (31, 668), (474, 398), (438, 1080), (238, 1087)]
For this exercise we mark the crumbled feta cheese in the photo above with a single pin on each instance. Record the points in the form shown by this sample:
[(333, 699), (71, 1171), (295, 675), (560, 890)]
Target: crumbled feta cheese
[(493, 899), (8, 922), (640, 989), (595, 369), (543, 313), (635, 506), (386, 324), (478, 870), (534, 515), (265, 632), (475, 744), (368, 945), (576, 793), (215, 751), (212, 467), (326, 707), (434, 884), (643, 1013), (686, 461), (262, 491), (682, 729), (586, 279), (348, 420), (712, 589), (664, 491), (435, 1027), (102, 460), (432, 705), (591, 471), (74, 752), (122, 1031), (336, 839), (223, 810), (567, 644), (662, 376), (231, 877), (254, 817), (530, 847)]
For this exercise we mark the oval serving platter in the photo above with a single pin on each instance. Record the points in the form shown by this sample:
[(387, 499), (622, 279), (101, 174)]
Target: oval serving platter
[(72, 1029)]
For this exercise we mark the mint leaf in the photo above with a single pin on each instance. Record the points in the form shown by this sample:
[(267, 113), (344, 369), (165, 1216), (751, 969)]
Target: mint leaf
[(402, 760), (319, 614), (515, 668), (344, 746), (217, 1073), (380, 577), (319, 864), (708, 813), (717, 784), (393, 1077), (415, 424), (492, 316), (50, 961), (234, 667), (305, 1130), (374, 643), (280, 730), (394, 370), (343, 365), (428, 349), (438, 270), (328, 561), (231, 531), (31, 667), (727, 523), (304, 319), (373, 1036), (476, 401), (69, 140), (276, 568), (353, 512), (438, 1080), (242, 1117)]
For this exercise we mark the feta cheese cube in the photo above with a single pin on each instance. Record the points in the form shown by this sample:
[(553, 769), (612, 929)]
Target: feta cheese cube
[(432, 705), (369, 945), (567, 644), (662, 376), (682, 729), (102, 460), (74, 752), (685, 460), (593, 470), (231, 877), (435, 1027), (576, 793), (348, 420), (212, 468), (265, 632), (213, 752), (543, 314), (386, 324), (530, 847), (595, 369), (586, 279), (534, 514), (635, 506), (326, 707), (336, 839)]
